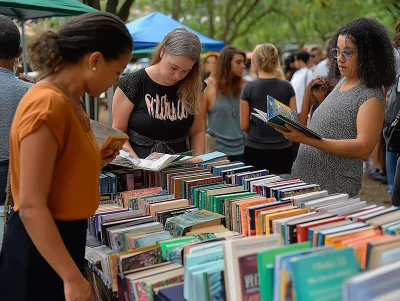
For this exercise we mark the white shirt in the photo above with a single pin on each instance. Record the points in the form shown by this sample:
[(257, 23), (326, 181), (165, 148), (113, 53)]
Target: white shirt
[(321, 68), (301, 78)]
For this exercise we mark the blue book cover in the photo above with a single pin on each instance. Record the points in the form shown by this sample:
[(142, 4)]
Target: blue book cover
[(196, 279), (214, 255), (249, 175), (282, 273), (217, 169), (320, 276), (321, 235), (151, 239), (381, 283), (170, 293), (278, 115)]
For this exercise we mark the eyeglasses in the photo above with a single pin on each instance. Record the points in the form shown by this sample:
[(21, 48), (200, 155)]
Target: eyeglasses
[(347, 53)]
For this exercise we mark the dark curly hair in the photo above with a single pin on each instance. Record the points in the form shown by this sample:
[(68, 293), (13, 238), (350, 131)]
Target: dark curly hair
[(376, 61)]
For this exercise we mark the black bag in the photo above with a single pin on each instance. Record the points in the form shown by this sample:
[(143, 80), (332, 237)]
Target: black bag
[(392, 135), (391, 130)]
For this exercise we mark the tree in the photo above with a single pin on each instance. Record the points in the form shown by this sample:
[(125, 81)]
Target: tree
[(116, 7), (220, 19)]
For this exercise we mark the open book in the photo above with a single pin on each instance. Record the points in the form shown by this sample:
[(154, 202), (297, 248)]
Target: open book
[(159, 161), (279, 114), (107, 137)]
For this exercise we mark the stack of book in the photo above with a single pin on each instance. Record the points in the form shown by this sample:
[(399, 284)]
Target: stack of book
[(220, 230)]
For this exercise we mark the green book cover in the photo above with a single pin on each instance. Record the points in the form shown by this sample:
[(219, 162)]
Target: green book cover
[(171, 244), (218, 201), (320, 276), (265, 259), (196, 193)]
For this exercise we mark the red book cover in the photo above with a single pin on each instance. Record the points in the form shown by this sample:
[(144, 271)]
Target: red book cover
[(302, 229), (249, 278)]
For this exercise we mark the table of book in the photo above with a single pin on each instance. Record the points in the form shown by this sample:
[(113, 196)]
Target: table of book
[(220, 230)]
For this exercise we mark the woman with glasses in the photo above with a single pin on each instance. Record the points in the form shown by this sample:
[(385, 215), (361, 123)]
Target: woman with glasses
[(351, 117)]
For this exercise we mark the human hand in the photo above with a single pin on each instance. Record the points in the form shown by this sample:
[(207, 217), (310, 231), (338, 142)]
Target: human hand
[(108, 155), (78, 290), (294, 134), (25, 78)]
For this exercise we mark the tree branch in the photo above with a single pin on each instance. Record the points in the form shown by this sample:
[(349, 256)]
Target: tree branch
[(111, 6), (253, 21), (93, 3), (241, 19), (211, 18), (123, 13)]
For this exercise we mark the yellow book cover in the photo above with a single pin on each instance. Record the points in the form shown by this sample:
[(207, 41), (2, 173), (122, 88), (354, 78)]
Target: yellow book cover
[(260, 213), (268, 218)]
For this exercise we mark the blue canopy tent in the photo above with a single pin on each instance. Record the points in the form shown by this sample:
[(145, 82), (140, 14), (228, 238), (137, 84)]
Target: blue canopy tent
[(149, 30)]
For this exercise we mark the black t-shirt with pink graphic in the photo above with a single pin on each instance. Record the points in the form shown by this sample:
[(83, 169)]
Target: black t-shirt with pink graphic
[(158, 113)]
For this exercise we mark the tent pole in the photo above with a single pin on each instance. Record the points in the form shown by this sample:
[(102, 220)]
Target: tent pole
[(24, 46), (110, 95)]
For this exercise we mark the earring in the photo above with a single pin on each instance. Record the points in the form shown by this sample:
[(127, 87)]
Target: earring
[(94, 69)]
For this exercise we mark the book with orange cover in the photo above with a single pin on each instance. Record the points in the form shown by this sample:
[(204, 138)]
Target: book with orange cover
[(360, 247), (343, 240), (260, 212), (302, 229), (251, 214), (330, 237), (268, 217), (243, 214)]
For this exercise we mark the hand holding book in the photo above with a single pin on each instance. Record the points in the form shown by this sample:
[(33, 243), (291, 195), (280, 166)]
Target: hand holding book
[(279, 116)]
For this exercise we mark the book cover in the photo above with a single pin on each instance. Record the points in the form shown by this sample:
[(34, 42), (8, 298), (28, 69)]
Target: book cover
[(267, 257), (279, 114), (321, 275)]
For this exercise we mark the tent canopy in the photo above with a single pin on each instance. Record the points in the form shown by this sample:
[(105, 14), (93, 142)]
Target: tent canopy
[(36, 9), (150, 30)]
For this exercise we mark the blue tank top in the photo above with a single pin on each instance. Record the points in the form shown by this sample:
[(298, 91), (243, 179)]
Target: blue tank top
[(224, 125)]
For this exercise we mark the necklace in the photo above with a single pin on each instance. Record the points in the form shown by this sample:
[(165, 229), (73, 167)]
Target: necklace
[(82, 116)]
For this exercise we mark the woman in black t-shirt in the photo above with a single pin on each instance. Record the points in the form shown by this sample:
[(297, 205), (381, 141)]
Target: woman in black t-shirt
[(158, 106), (265, 147)]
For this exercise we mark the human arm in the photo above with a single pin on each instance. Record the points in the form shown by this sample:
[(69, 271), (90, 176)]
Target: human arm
[(197, 131), (38, 153), (292, 103), (369, 126), (244, 115), (122, 108)]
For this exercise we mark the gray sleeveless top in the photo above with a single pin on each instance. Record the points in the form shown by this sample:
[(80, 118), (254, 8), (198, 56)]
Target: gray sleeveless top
[(336, 119), (224, 125)]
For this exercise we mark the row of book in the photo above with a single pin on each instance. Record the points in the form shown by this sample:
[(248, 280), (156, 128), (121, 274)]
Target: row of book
[(220, 230)]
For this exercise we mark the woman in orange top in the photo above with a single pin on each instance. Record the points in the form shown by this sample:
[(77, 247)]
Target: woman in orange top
[(55, 160)]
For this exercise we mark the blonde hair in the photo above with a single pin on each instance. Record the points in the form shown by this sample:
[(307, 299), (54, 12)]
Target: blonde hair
[(266, 58), (181, 42)]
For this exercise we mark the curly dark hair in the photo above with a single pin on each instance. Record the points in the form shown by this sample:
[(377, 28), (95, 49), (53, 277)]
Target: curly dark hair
[(376, 61)]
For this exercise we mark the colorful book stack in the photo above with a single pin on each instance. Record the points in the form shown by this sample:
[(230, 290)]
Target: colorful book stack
[(220, 230)]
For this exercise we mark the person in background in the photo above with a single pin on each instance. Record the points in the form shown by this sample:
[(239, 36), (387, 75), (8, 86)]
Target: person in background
[(301, 77), (56, 161), (221, 101), (393, 107), (350, 119), (158, 107), (315, 52), (290, 68), (317, 90), (210, 64), (12, 90), (265, 147)]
